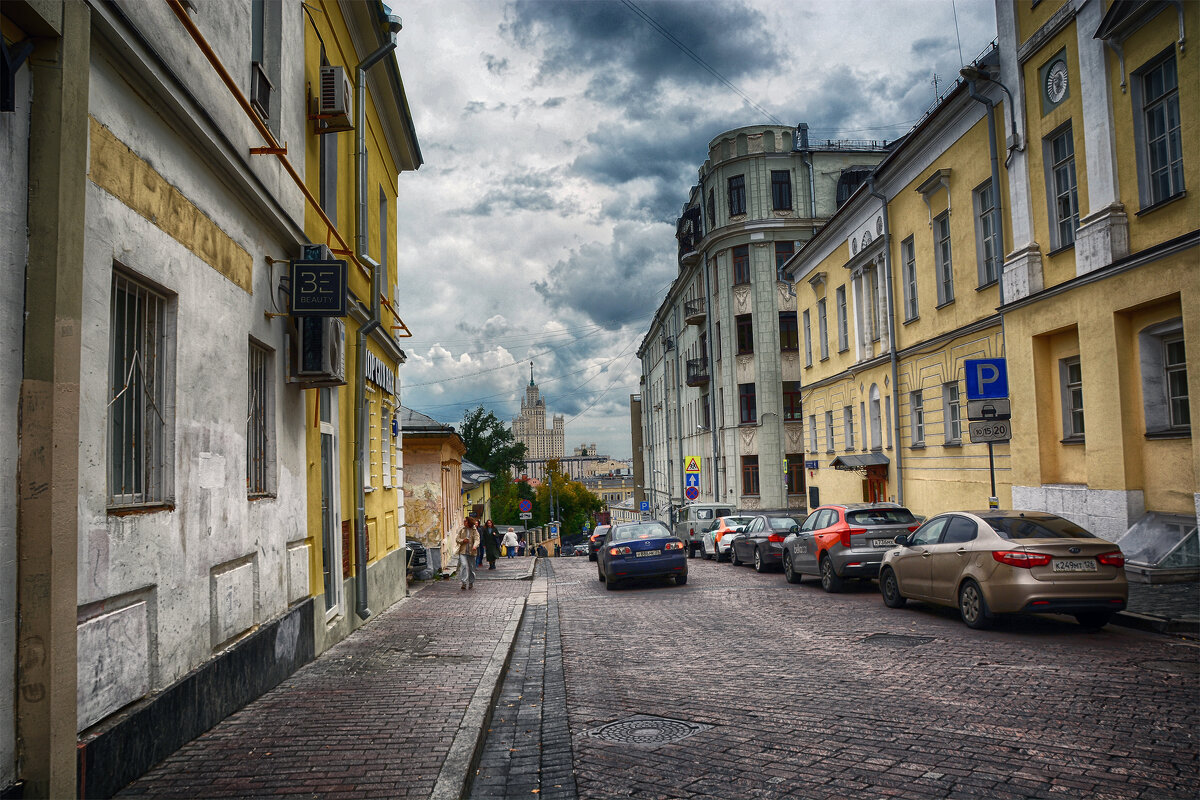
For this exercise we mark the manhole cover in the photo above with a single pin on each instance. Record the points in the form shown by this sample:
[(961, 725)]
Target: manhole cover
[(643, 729), (897, 639), (1178, 667)]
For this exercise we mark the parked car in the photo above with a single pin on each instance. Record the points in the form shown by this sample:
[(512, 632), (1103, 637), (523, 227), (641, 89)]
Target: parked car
[(417, 555), (761, 543), (597, 539), (839, 541), (694, 518), (714, 544), (641, 550), (1001, 562)]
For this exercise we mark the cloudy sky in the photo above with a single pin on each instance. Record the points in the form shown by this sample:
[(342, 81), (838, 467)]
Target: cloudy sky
[(560, 141)]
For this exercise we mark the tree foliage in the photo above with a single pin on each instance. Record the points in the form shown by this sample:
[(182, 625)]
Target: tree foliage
[(575, 504), (489, 443)]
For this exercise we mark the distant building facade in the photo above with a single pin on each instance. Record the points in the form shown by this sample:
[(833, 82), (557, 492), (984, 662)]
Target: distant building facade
[(721, 359), (530, 428)]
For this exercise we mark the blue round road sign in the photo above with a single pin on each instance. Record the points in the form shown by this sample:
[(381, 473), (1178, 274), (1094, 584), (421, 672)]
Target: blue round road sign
[(691, 493), (525, 506)]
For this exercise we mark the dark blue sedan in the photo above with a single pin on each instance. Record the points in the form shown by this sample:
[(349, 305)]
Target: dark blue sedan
[(641, 550)]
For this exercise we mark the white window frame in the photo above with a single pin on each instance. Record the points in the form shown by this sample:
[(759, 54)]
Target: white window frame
[(1166, 105), (141, 390), (828, 431), (812, 433), (1062, 187), (1073, 419), (952, 413), (987, 239), (822, 329), (807, 341), (848, 426), (917, 416), (944, 257), (843, 330), (260, 421), (908, 254), (1160, 402)]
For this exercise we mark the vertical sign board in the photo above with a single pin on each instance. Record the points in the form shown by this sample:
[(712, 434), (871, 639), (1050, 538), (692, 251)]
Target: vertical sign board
[(987, 378), (691, 477), (318, 288)]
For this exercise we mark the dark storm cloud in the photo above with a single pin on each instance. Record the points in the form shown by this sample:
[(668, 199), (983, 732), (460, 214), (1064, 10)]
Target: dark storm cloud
[(929, 46), (532, 190), (495, 65), (612, 284), (610, 41)]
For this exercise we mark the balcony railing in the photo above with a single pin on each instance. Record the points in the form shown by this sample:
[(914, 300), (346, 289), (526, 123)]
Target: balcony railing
[(689, 230), (697, 371), (693, 312)]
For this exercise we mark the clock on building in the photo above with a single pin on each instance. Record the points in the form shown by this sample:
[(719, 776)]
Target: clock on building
[(1056, 81)]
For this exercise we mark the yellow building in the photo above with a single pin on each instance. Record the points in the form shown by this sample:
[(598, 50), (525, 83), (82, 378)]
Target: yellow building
[(476, 491), (893, 295), (433, 480), (1101, 312), (361, 137)]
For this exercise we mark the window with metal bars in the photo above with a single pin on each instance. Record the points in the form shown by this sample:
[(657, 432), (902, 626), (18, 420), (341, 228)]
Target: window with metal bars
[(138, 411), (259, 422)]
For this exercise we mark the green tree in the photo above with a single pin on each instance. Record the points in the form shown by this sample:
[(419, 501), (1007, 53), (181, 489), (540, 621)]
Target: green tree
[(576, 505), (489, 443)]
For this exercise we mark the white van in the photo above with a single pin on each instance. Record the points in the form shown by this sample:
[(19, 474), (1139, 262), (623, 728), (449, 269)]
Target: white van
[(695, 519)]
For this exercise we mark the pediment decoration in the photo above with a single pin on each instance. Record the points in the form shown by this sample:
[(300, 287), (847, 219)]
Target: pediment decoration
[(749, 503), (787, 297), (747, 437), (741, 299), (795, 436)]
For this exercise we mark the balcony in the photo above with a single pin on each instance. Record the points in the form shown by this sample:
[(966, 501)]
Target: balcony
[(697, 371), (689, 232), (693, 312)]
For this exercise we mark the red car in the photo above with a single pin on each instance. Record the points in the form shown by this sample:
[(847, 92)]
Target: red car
[(836, 542), (596, 540)]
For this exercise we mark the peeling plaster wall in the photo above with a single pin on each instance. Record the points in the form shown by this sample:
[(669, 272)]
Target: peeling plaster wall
[(14, 154), (163, 592)]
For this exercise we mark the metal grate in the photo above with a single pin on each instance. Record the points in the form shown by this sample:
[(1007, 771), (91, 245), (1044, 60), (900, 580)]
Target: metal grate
[(647, 730), (897, 639)]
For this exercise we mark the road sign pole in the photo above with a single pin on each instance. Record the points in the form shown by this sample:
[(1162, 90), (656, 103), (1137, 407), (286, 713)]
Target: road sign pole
[(993, 501)]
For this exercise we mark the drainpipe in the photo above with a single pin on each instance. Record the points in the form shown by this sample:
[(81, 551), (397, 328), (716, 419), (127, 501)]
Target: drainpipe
[(892, 355), (361, 414), (806, 154), (711, 364), (678, 415)]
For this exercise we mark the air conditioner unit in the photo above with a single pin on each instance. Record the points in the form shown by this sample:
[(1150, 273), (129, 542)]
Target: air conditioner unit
[(320, 352), (335, 101), (260, 90)]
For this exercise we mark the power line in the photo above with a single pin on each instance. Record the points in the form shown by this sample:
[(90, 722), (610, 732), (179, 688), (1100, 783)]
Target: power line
[(687, 51)]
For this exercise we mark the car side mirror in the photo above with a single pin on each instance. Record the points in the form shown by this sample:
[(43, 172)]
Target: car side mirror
[(902, 540), (795, 529)]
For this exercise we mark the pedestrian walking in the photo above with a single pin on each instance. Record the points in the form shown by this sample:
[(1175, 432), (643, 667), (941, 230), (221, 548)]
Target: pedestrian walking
[(489, 540), (468, 543), (510, 543)]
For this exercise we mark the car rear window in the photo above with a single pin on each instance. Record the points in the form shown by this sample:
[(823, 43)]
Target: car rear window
[(1039, 527), (880, 516), (704, 513), (782, 523), (733, 522), (645, 530)]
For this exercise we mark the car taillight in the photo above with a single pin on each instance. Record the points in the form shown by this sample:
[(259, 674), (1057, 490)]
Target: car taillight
[(619, 551), (775, 537), (1019, 558), (912, 528), (673, 546), (848, 532), (1114, 559), (691, 531)]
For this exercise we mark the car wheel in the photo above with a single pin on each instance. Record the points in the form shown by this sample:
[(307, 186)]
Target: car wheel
[(758, 562), (681, 579), (789, 571), (591, 556), (830, 581), (733, 559), (973, 607), (1094, 620), (600, 574), (610, 584), (890, 589)]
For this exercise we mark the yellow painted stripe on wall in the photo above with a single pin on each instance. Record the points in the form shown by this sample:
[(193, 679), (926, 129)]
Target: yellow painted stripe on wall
[(122, 173)]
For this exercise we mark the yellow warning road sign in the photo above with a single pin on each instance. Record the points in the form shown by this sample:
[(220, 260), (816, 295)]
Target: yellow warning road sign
[(691, 464)]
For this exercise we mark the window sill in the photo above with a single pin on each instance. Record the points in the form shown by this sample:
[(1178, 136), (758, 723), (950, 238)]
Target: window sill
[(126, 511), (745, 352), (1166, 202), (824, 359), (1071, 440), (789, 349), (1170, 433), (912, 319), (741, 283), (953, 443), (918, 446), (749, 424), (942, 305), (261, 496), (1061, 249), (843, 350), (987, 285)]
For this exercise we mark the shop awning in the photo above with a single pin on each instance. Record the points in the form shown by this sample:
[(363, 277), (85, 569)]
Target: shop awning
[(852, 462)]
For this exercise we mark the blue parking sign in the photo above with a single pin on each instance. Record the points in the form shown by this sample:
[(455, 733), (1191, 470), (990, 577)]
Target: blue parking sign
[(645, 505), (987, 378)]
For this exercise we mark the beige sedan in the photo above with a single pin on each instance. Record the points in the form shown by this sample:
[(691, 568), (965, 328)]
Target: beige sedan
[(1006, 562)]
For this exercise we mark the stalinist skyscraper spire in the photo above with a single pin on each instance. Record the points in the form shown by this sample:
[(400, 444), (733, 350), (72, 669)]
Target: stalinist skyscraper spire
[(530, 428)]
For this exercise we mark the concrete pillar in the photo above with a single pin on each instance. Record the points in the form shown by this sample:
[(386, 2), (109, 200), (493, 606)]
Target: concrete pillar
[(48, 485)]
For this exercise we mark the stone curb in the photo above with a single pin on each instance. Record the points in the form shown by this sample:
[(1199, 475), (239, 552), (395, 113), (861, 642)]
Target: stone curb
[(1172, 627), (454, 779)]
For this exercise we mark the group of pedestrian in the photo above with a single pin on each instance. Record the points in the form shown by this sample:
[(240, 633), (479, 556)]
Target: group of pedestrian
[(477, 542)]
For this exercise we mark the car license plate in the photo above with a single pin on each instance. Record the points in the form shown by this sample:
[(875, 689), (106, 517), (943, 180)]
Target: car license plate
[(883, 542), (644, 553), (1074, 565)]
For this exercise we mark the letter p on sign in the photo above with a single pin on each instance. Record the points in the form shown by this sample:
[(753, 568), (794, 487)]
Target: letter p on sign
[(987, 378)]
